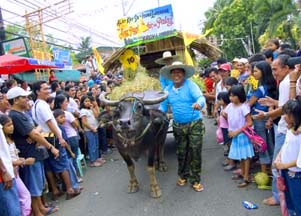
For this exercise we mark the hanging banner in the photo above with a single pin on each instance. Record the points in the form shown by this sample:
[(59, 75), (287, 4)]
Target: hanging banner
[(62, 56), (16, 46), (147, 26)]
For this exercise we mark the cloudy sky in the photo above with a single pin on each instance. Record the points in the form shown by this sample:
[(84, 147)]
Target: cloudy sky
[(98, 18)]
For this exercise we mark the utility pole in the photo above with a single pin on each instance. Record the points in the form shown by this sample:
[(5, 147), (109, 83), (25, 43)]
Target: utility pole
[(2, 32), (34, 27), (252, 37)]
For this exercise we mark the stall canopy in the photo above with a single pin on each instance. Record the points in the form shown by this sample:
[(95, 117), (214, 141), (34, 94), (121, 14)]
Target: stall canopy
[(11, 64)]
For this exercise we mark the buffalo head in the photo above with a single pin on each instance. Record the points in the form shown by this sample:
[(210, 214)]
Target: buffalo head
[(130, 117)]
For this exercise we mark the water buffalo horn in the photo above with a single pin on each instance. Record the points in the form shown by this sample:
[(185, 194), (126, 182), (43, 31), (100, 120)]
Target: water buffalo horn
[(107, 102), (156, 100)]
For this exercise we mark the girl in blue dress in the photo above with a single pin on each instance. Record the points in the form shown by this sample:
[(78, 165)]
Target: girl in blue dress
[(239, 117)]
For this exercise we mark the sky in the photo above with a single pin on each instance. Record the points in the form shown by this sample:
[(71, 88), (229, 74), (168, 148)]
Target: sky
[(98, 18)]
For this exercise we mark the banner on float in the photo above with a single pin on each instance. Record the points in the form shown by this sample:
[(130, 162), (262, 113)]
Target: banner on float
[(62, 56), (147, 26)]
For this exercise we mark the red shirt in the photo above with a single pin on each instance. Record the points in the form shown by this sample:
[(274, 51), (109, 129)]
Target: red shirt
[(1, 180), (52, 78), (209, 84)]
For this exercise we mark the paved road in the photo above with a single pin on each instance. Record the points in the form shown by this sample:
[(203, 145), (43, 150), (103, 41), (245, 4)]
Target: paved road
[(106, 194)]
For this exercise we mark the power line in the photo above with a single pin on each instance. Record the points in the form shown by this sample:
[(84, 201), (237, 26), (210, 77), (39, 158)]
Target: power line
[(68, 42), (49, 43), (72, 24)]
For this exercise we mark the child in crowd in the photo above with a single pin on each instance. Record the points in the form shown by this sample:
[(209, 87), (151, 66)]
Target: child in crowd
[(223, 101), (230, 164), (24, 195), (59, 115), (238, 117), (289, 158), (273, 44), (89, 122)]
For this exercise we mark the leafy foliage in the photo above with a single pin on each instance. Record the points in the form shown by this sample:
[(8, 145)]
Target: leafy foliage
[(85, 48), (232, 21)]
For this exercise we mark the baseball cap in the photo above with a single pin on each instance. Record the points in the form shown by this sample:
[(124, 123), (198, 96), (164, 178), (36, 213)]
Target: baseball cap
[(17, 92), (225, 67)]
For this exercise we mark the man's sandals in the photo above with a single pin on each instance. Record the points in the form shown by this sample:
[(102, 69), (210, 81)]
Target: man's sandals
[(198, 187), (181, 182)]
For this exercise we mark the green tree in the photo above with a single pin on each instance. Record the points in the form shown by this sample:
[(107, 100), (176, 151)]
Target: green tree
[(213, 12), (275, 15), (14, 31), (85, 48), (234, 23), (269, 19)]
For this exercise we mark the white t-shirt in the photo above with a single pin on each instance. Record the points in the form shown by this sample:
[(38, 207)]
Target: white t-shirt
[(5, 155), (236, 115), (72, 106), (291, 150), (41, 114), (91, 120), (13, 151), (219, 88), (70, 131), (284, 90)]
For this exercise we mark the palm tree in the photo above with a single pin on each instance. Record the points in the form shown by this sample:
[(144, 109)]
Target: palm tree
[(273, 13), (85, 48)]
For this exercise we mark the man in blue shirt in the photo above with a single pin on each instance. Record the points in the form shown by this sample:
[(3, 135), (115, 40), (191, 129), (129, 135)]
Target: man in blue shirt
[(186, 100)]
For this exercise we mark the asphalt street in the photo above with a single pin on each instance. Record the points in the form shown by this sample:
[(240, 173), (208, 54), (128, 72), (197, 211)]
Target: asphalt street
[(105, 189)]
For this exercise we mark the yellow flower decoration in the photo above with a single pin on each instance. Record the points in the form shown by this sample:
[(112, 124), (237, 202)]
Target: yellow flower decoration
[(253, 82), (129, 60)]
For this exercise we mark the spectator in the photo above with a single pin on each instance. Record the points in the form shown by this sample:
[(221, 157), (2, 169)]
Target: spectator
[(26, 138), (52, 77), (9, 199)]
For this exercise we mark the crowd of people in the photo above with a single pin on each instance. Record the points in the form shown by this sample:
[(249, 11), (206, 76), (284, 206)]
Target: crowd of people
[(44, 128), (262, 92)]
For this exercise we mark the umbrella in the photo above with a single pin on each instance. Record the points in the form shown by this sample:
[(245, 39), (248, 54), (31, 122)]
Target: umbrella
[(10, 64)]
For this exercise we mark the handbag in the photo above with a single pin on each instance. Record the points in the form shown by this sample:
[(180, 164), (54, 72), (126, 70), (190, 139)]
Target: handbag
[(257, 141), (219, 135), (40, 153), (50, 137)]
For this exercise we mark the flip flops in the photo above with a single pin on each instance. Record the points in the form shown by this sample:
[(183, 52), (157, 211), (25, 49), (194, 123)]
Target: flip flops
[(181, 182), (198, 187), (52, 210)]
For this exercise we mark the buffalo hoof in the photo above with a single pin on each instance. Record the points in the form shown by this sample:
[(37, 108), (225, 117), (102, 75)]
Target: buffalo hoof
[(155, 191), (162, 166), (133, 186)]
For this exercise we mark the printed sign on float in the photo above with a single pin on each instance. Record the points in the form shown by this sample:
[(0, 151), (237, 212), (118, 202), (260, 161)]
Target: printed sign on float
[(147, 26)]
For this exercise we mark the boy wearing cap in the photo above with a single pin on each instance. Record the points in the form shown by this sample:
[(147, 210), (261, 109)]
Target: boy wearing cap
[(186, 100)]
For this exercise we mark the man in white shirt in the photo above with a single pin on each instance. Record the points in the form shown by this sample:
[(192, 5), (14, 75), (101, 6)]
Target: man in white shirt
[(287, 89)]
